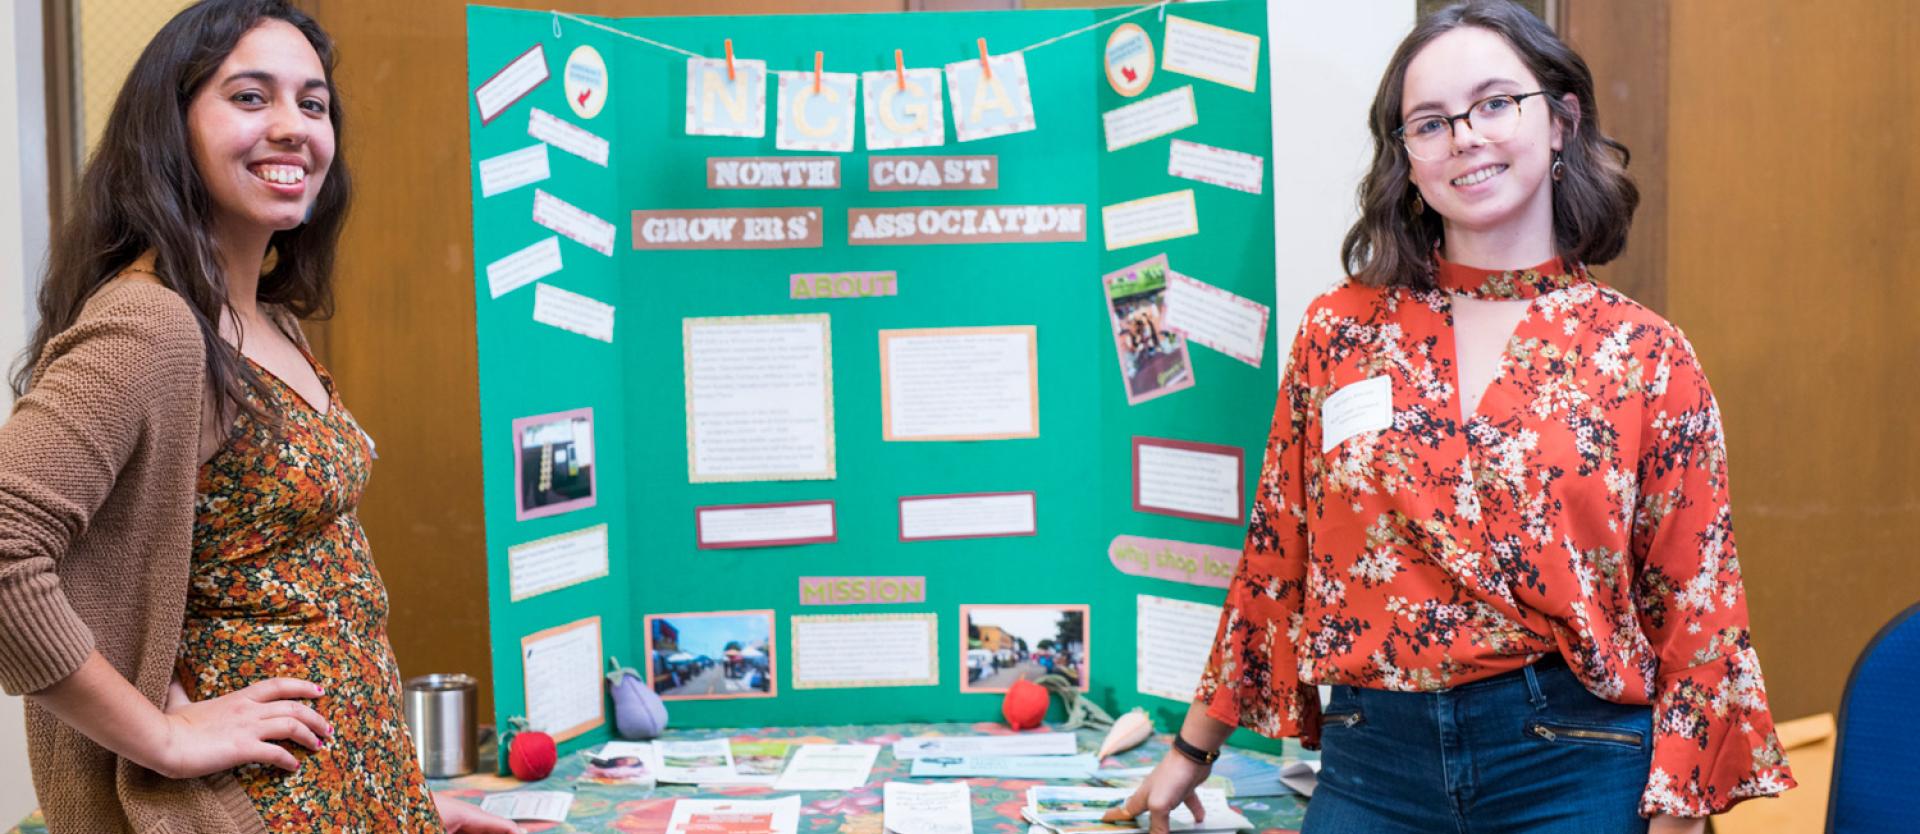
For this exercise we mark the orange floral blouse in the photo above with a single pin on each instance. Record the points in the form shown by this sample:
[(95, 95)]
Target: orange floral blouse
[(1582, 509)]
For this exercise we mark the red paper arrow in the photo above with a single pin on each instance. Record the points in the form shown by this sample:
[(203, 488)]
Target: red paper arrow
[(1127, 73)]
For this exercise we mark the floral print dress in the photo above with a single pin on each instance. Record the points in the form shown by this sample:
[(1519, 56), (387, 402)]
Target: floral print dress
[(283, 586), (1582, 509)]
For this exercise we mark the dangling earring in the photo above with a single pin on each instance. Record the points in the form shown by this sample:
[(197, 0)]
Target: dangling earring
[(1559, 168), (1419, 205)]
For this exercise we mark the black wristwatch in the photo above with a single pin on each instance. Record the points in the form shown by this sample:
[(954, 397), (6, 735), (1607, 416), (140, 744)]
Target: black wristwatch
[(1200, 757)]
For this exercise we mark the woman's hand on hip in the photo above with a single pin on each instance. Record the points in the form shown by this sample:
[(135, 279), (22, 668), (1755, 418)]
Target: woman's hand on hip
[(240, 728), (1170, 785)]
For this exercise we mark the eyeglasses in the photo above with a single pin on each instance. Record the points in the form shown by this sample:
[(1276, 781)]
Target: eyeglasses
[(1493, 118)]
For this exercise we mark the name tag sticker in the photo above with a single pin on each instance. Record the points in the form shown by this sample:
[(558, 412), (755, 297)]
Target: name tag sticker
[(1361, 407)]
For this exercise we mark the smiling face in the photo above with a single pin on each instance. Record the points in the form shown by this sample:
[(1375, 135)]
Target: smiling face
[(1480, 187), (261, 136)]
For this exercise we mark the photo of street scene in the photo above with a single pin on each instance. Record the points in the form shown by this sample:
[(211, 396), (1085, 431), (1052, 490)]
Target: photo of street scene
[(1005, 643), (727, 654)]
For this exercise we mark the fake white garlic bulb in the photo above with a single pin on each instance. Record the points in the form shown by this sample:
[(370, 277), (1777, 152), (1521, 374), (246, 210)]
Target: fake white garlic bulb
[(1128, 731)]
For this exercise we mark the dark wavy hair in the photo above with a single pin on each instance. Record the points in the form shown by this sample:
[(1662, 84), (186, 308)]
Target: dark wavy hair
[(1593, 202), (141, 191)]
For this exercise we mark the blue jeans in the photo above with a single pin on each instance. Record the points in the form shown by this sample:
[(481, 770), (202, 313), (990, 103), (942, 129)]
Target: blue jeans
[(1528, 751)]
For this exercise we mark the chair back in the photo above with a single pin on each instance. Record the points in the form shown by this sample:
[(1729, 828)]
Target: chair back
[(1876, 767)]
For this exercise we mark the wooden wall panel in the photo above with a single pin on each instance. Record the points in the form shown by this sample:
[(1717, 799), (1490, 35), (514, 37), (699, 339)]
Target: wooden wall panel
[(1625, 44), (402, 341), (1794, 268)]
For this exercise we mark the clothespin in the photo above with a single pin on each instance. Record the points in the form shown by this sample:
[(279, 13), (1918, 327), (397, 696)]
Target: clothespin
[(986, 69), (900, 69), (819, 58), (730, 60)]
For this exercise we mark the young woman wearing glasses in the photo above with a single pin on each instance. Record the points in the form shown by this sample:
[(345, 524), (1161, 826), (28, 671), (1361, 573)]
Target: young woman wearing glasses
[(1494, 512)]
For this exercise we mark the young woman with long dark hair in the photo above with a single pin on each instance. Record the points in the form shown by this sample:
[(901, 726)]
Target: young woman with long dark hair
[(1493, 515), (186, 596)]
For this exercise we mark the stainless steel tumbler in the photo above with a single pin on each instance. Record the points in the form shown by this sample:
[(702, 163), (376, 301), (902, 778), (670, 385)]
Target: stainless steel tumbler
[(443, 718)]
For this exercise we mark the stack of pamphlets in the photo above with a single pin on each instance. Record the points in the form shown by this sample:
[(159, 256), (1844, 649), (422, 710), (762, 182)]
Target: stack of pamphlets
[(754, 763), (1064, 810), (730, 816), (1250, 776), (626, 763), (928, 808), (1302, 775), (1017, 756)]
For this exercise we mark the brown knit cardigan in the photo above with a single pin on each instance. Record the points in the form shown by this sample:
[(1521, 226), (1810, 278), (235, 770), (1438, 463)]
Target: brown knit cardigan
[(97, 471)]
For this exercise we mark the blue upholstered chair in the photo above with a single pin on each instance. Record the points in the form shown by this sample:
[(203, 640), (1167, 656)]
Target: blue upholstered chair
[(1876, 764)]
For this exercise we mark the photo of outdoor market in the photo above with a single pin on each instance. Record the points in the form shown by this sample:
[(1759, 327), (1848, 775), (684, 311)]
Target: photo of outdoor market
[(725, 655)]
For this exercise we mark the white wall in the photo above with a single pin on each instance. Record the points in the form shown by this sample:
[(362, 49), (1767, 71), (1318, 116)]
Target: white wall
[(1327, 59), (23, 231)]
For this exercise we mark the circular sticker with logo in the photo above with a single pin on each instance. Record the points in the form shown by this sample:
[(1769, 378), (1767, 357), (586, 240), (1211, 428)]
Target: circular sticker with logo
[(1129, 59), (586, 82)]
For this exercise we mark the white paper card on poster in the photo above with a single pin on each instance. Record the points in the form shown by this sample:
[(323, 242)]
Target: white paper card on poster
[(1216, 318), (966, 516), (1150, 219), (769, 524), (561, 667), (985, 105), (903, 112), (828, 767), (523, 267), (1189, 481), (837, 651), (919, 808), (557, 562), (726, 98), (959, 384), (1203, 50), (573, 223), (815, 111), (1216, 166), (516, 79), (584, 78), (1175, 638), (1129, 59), (1363, 406), (573, 312), (759, 398), (510, 170), (567, 136), (1149, 118)]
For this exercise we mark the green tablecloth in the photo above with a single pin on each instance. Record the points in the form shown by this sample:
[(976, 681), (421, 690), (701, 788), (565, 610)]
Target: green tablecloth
[(997, 802)]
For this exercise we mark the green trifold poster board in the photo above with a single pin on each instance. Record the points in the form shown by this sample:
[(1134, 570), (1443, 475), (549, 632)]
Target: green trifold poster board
[(852, 395)]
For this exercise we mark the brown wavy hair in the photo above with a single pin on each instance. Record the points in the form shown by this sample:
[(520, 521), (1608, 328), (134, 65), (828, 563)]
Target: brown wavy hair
[(141, 191), (1593, 202)]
